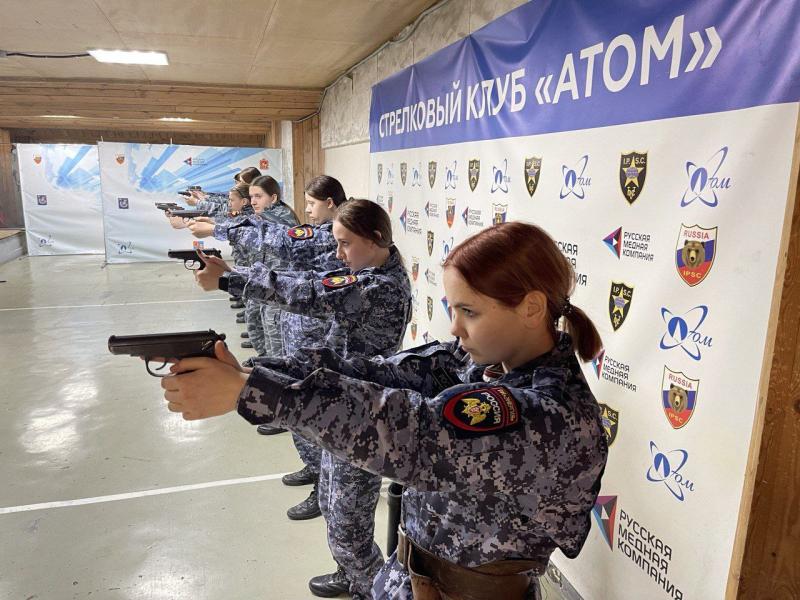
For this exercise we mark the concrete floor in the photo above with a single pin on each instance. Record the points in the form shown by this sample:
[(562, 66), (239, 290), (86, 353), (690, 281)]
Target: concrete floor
[(100, 493)]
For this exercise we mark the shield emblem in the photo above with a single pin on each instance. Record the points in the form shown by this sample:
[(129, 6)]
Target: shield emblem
[(37, 159), (632, 173), (430, 308), (432, 173), (533, 166), (430, 243), (695, 252), (415, 269), (610, 420), (474, 172), (120, 159), (678, 397), (263, 164), (391, 201), (450, 213), (380, 172), (619, 303), (500, 211), (403, 172), (414, 330)]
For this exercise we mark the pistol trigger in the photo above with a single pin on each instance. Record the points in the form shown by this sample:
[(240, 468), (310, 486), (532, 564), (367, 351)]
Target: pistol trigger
[(147, 366)]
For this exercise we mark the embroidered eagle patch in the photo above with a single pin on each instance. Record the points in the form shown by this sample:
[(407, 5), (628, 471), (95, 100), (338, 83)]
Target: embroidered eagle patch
[(482, 411), (339, 281), (304, 232)]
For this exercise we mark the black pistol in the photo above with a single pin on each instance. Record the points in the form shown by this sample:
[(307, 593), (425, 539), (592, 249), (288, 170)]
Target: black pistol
[(168, 206), (166, 346), (190, 258), (187, 215)]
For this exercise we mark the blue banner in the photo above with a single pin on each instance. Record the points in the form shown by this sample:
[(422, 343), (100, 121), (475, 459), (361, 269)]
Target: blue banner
[(565, 65)]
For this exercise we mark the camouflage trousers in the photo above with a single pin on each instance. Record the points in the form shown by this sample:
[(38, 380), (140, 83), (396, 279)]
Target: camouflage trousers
[(255, 326), (347, 498), (270, 320), (309, 452)]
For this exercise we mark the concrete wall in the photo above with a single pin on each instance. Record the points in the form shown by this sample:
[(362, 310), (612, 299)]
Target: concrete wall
[(344, 122)]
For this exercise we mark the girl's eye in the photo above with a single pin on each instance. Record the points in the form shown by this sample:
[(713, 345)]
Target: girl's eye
[(467, 312)]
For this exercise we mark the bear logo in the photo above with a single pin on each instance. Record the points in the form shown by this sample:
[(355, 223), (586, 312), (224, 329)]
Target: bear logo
[(693, 253), (678, 398)]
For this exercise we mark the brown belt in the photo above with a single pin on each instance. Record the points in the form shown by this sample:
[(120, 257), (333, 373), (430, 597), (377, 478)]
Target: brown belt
[(434, 578)]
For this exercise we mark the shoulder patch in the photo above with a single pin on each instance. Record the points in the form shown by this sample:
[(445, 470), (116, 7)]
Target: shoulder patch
[(482, 411), (339, 281), (304, 232)]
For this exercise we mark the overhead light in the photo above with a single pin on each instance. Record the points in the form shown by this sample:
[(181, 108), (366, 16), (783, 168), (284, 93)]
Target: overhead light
[(176, 119), (130, 57), (60, 117)]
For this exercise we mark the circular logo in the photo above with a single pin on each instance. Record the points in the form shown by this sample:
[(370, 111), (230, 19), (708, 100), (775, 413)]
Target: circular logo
[(339, 281)]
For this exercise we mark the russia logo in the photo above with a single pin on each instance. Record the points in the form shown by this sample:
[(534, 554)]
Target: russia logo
[(678, 397), (695, 252), (450, 212)]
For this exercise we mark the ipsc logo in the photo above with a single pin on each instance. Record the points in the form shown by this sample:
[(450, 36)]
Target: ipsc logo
[(120, 158), (37, 158), (430, 308), (605, 514), (666, 468), (474, 172), (432, 173), (619, 303), (450, 176), (706, 180), (695, 252), (403, 173), (614, 242), (683, 331), (447, 245), (500, 179), (678, 397), (575, 179), (415, 268), (41, 200), (632, 174), (263, 164), (500, 212), (446, 307), (430, 243), (597, 363), (610, 419), (450, 212), (403, 218), (380, 172), (123, 203), (533, 166)]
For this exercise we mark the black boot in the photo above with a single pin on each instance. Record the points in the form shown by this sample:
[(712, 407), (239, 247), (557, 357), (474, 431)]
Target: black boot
[(245, 335), (237, 304), (247, 344), (269, 430), (304, 476), (241, 320), (307, 509), (331, 585), (240, 315)]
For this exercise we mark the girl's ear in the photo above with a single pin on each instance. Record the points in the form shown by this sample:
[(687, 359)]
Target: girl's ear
[(331, 205)]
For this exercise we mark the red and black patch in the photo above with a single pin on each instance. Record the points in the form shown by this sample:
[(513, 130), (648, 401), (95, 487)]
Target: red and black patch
[(339, 281), (482, 411), (304, 232)]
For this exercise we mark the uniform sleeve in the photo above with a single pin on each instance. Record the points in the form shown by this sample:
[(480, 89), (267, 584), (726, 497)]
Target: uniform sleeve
[(311, 253), (428, 370), (482, 437), (305, 293)]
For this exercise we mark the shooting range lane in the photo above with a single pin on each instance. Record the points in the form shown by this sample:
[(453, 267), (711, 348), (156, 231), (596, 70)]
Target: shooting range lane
[(80, 423)]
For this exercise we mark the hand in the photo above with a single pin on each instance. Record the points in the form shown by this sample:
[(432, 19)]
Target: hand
[(198, 195), (201, 229), (191, 200), (177, 222), (208, 277), (205, 387), (204, 220)]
